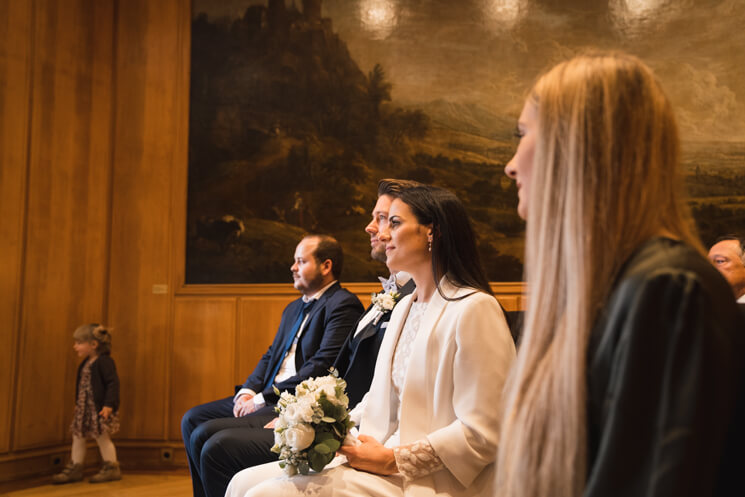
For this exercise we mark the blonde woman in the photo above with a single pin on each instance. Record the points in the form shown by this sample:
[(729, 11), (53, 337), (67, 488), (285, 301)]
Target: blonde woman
[(629, 368)]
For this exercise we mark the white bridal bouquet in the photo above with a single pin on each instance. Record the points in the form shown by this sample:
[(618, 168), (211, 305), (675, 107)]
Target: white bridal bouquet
[(312, 424)]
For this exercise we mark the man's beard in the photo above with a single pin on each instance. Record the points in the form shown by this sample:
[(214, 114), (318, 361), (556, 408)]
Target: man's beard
[(378, 254)]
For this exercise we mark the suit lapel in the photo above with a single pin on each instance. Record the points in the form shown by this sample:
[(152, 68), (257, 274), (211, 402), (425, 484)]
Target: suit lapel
[(299, 359), (368, 331), (320, 303), (372, 328), (407, 288), (376, 417)]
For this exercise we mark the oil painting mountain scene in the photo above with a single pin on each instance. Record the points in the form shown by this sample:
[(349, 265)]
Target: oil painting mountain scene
[(297, 109)]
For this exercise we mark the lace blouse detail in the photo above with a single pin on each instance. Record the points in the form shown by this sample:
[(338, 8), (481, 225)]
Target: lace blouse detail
[(419, 458), (404, 348)]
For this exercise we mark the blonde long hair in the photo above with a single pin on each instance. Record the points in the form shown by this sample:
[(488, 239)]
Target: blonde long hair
[(604, 181)]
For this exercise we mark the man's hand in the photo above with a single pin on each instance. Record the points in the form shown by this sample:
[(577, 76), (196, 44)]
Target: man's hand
[(370, 456), (243, 406), (270, 424), (105, 412)]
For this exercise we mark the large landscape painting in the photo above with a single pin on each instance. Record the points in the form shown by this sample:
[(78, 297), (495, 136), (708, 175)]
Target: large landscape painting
[(298, 108)]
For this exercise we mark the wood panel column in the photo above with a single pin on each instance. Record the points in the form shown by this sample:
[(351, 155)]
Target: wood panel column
[(149, 167), (67, 218)]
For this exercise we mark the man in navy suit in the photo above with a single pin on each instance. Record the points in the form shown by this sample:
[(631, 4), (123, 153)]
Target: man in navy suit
[(228, 435), (356, 361)]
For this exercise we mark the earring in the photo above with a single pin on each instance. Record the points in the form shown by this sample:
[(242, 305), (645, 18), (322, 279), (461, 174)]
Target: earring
[(429, 245)]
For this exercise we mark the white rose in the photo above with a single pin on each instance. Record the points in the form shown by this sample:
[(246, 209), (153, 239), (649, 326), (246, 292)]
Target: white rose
[(327, 384), (330, 391), (281, 422), (299, 437), (306, 386), (279, 439), (285, 398), (387, 302), (298, 412)]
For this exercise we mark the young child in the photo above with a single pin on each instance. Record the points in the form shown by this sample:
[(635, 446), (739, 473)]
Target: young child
[(96, 405)]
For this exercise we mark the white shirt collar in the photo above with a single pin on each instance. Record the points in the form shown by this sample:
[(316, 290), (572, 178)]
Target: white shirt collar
[(318, 294), (402, 277)]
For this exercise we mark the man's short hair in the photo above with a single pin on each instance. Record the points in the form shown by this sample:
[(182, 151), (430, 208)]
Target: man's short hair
[(740, 240), (329, 248), (393, 187)]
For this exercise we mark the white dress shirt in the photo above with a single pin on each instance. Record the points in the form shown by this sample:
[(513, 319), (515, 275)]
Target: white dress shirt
[(287, 368)]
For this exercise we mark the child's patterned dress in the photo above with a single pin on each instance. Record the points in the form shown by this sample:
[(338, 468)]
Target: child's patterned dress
[(86, 422)]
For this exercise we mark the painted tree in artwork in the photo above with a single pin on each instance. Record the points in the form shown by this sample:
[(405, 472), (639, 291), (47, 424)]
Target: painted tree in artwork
[(378, 89)]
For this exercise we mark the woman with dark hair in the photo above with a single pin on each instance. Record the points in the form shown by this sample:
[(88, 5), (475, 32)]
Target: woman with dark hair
[(430, 421)]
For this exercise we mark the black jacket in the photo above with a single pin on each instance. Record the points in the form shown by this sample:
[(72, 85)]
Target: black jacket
[(104, 381), (356, 360), (665, 380)]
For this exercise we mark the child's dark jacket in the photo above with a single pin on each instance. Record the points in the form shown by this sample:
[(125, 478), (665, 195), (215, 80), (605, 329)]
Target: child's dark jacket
[(104, 381)]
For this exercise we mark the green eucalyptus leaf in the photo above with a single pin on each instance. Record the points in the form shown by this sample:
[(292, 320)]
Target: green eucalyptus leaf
[(317, 461), (332, 444), (323, 448)]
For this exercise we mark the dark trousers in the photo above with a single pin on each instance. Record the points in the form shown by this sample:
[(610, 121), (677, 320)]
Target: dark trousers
[(219, 445)]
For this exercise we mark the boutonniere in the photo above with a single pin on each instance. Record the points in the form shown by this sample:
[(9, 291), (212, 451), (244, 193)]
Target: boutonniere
[(384, 302)]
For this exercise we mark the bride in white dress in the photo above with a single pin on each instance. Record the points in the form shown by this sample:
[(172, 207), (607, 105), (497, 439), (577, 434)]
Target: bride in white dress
[(429, 424)]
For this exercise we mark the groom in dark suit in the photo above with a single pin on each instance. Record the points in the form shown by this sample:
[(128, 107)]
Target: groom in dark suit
[(228, 435), (356, 361)]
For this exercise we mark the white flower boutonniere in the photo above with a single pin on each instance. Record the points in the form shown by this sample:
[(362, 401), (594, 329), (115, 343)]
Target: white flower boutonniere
[(384, 302)]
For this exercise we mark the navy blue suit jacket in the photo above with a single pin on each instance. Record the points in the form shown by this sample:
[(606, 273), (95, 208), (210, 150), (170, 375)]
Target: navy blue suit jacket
[(356, 361), (330, 320)]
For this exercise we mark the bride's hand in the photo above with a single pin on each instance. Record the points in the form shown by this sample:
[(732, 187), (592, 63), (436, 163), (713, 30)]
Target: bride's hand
[(371, 456)]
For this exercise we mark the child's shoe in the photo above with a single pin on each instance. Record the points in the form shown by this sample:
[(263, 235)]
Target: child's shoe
[(72, 472), (109, 472)]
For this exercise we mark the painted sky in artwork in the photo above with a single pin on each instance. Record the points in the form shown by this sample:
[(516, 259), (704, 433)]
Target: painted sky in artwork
[(487, 52)]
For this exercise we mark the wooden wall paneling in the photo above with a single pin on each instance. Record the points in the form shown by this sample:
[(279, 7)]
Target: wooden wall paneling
[(148, 119), (67, 218), (203, 370), (258, 321), (509, 302), (15, 84), (180, 173)]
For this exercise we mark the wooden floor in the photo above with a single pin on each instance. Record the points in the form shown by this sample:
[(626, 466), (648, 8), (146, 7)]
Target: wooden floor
[(131, 485)]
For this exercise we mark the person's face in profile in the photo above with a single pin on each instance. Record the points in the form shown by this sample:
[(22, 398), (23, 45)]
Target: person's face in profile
[(307, 273), (85, 348), (406, 240), (520, 168), (379, 221), (727, 258)]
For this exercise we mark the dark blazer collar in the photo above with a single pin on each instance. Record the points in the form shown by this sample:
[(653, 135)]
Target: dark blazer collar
[(322, 299), (407, 288)]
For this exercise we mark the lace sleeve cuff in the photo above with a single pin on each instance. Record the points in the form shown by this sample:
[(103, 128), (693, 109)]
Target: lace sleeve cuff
[(417, 459)]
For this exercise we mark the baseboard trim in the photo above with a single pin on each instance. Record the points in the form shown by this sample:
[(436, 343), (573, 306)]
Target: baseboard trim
[(27, 468)]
